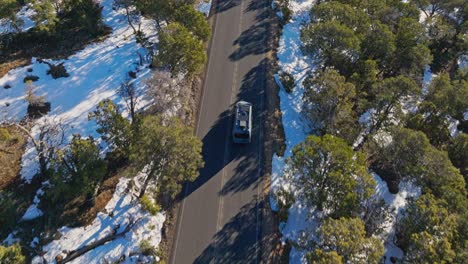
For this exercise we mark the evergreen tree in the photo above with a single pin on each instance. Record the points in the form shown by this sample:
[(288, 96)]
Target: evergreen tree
[(347, 238), (78, 169), (331, 176), (328, 104), (458, 153), (194, 21), (332, 44), (11, 255), (113, 127), (171, 152), (180, 50), (427, 230)]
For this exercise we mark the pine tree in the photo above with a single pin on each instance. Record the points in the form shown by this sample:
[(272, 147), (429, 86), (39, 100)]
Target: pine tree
[(328, 103), (11, 255), (330, 175), (180, 50), (346, 238), (172, 153)]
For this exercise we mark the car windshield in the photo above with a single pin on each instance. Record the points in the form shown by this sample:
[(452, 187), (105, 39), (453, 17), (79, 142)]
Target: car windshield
[(241, 135)]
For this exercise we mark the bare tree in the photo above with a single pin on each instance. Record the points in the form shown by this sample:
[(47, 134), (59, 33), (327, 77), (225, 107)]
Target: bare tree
[(172, 96), (130, 94), (46, 137), (132, 13)]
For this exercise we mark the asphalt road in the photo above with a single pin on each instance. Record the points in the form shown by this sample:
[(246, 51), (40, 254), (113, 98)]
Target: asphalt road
[(220, 220)]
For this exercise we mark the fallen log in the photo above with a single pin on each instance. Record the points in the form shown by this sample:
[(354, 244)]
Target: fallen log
[(83, 250)]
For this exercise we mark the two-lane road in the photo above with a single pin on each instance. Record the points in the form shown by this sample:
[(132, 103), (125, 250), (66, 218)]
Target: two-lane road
[(220, 220)]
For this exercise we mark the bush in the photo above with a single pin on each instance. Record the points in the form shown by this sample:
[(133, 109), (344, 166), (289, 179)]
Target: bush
[(147, 249), (30, 78), (148, 205), (57, 71), (4, 134), (11, 254), (287, 79)]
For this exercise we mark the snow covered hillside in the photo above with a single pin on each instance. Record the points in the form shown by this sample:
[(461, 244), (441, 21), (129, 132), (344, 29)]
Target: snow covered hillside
[(124, 217), (95, 74)]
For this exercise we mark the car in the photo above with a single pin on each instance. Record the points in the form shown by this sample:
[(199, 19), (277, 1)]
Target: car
[(242, 130)]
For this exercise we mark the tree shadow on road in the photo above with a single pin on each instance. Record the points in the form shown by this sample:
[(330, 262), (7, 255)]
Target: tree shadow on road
[(247, 174), (253, 41), (224, 5), (238, 241)]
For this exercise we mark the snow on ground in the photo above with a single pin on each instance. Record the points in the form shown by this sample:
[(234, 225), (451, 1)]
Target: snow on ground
[(122, 210), (397, 204), (25, 22), (95, 74), (33, 212), (204, 6), (291, 60)]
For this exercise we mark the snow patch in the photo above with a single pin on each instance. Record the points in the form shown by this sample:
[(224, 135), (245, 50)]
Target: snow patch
[(96, 72), (397, 204), (291, 60), (204, 6), (121, 211), (24, 17)]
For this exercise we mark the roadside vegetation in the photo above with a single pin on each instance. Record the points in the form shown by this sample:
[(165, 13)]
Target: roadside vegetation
[(76, 175), (369, 109)]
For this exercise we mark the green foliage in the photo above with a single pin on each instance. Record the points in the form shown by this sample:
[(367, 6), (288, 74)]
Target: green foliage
[(11, 255), (379, 44), (147, 249), (4, 135), (426, 231), (85, 14), (331, 176), (458, 154), (113, 127), (287, 80), (78, 169), (8, 213), (8, 8), (324, 257), (172, 152), (430, 121), (194, 21), (343, 13), (346, 239), (159, 10), (180, 50), (412, 53), (150, 206), (331, 43), (46, 14), (449, 98), (328, 104)]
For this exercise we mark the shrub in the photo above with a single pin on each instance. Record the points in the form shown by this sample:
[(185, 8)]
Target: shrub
[(148, 205), (287, 79), (4, 135), (57, 71), (147, 249), (11, 254), (30, 78)]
